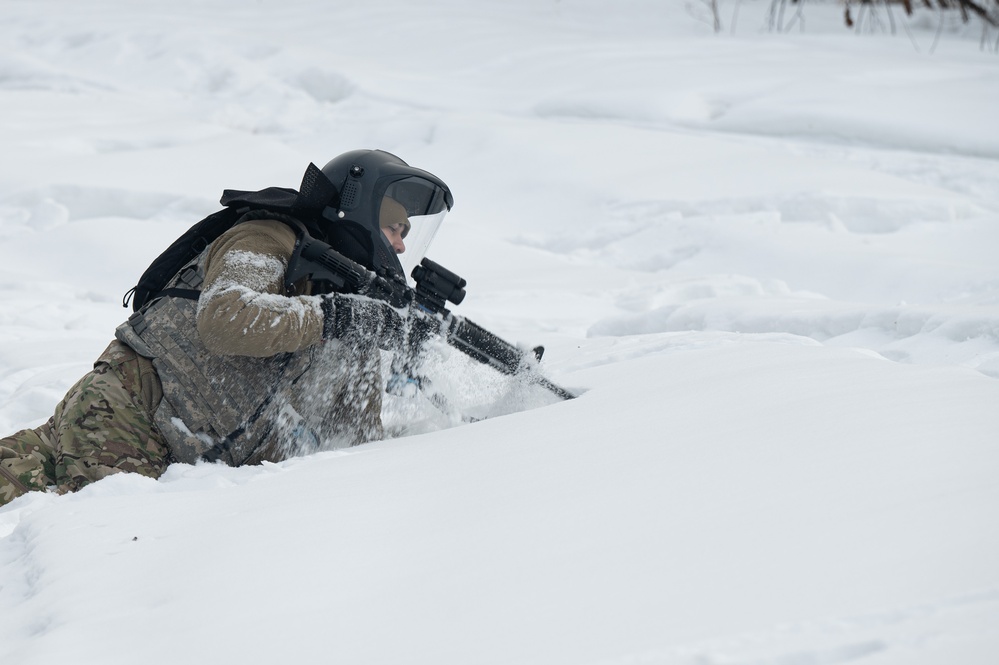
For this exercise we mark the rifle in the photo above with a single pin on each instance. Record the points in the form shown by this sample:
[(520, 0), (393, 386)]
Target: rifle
[(435, 287)]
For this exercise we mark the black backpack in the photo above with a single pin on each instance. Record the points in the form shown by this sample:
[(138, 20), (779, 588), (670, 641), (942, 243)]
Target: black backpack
[(317, 192)]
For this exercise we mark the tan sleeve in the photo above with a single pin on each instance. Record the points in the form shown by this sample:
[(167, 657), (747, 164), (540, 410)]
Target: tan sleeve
[(243, 310)]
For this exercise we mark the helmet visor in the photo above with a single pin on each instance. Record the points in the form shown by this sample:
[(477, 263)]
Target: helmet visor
[(413, 208)]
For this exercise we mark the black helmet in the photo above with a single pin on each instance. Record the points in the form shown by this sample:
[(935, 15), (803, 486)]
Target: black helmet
[(378, 189)]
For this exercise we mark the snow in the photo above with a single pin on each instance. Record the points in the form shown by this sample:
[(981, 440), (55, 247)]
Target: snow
[(765, 261)]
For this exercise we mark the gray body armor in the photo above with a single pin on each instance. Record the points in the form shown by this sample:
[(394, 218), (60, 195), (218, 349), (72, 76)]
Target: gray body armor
[(244, 410)]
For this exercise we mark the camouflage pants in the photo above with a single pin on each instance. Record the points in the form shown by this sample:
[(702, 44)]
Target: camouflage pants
[(104, 425)]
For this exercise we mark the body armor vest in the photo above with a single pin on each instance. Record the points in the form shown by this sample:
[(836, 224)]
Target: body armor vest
[(244, 410)]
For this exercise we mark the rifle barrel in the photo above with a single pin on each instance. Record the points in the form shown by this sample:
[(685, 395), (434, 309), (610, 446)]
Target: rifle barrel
[(489, 349)]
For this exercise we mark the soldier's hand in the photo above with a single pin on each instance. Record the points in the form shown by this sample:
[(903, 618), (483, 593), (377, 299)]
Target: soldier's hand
[(423, 326), (363, 318)]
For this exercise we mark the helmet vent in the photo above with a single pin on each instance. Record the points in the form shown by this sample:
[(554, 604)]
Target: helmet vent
[(348, 197)]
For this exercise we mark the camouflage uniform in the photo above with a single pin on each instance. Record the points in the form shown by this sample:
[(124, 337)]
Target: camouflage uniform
[(139, 413), (102, 426)]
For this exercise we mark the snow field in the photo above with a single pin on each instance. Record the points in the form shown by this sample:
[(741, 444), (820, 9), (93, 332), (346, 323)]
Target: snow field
[(765, 261)]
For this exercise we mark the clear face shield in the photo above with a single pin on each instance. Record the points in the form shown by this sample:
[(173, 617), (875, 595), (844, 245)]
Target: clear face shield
[(411, 213)]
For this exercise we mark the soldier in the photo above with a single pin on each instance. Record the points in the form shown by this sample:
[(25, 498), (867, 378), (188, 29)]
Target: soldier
[(233, 361)]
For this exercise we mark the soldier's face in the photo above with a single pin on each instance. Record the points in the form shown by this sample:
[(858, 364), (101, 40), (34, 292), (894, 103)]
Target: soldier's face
[(394, 223), (395, 233)]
